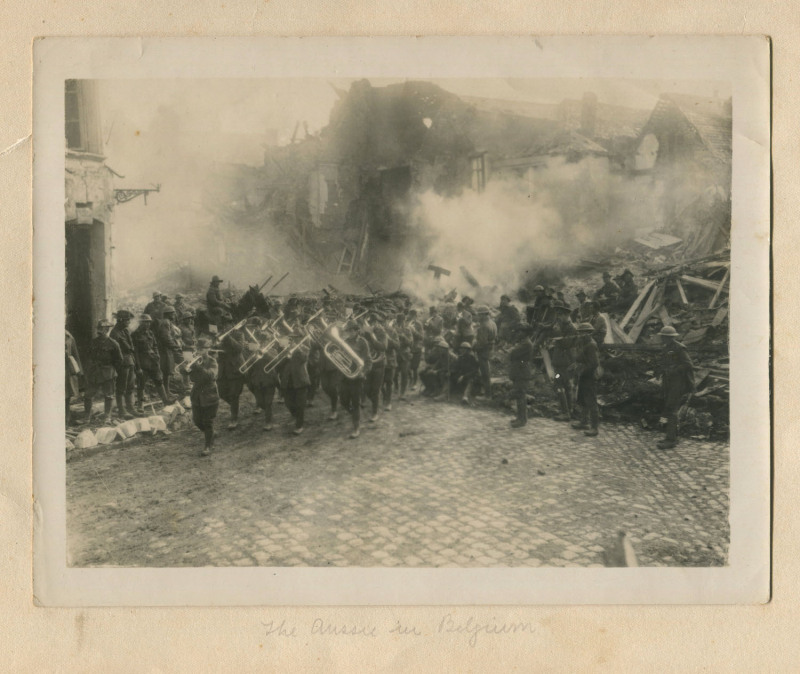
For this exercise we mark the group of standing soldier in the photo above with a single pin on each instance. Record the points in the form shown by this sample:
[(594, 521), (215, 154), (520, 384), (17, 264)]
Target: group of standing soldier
[(454, 348)]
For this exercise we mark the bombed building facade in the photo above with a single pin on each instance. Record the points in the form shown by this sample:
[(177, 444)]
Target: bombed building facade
[(356, 197)]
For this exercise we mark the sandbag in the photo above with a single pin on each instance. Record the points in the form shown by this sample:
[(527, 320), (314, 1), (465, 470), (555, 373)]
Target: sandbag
[(127, 429), (157, 423), (143, 425), (85, 439), (106, 435)]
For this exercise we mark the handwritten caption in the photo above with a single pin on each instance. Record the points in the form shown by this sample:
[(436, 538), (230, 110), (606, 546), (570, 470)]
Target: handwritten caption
[(470, 628)]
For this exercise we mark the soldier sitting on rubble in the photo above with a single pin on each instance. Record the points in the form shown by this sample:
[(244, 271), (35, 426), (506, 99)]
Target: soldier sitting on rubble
[(627, 291), (608, 293)]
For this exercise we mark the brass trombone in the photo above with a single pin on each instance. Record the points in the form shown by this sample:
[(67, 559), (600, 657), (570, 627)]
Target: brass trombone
[(270, 346), (287, 351)]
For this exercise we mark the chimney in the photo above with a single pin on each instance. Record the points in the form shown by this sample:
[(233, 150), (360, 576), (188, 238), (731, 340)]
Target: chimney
[(589, 114)]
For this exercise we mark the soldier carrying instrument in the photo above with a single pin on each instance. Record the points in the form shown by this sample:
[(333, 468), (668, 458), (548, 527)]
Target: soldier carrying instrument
[(230, 381), (203, 371), (351, 389)]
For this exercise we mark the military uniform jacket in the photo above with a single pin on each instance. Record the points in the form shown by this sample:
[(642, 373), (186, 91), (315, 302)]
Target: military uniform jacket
[(377, 346), (417, 333), (485, 337), (519, 360), (155, 309), (438, 357), (122, 336), (362, 349), (588, 358), (144, 343), (214, 298), (466, 365), (509, 315), (105, 359), (296, 373), (600, 329), (187, 338), (72, 365), (232, 356), (204, 379), (434, 326), (392, 345), (563, 353), (609, 290), (165, 337), (677, 372), (405, 342)]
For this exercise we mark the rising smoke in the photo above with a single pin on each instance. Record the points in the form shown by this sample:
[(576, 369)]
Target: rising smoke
[(519, 226)]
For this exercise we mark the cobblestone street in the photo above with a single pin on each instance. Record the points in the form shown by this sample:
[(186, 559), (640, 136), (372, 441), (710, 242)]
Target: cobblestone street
[(428, 485)]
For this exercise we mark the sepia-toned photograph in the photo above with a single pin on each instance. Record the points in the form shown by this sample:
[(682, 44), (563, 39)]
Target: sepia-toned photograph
[(398, 321)]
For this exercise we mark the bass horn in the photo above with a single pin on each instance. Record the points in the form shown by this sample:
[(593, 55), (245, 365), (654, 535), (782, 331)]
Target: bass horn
[(341, 355)]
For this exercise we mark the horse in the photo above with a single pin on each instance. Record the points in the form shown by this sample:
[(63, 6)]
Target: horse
[(251, 302)]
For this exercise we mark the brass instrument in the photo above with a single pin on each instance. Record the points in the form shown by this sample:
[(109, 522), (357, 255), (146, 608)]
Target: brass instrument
[(269, 348), (287, 351), (336, 349), (236, 327), (188, 365)]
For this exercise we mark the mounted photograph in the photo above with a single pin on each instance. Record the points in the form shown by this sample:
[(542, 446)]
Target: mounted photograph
[(456, 322)]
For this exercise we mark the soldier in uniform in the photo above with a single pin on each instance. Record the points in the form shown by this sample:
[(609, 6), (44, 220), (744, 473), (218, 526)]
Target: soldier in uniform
[(330, 380), (351, 388), (180, 308), (417, 334), (608, 292), (585, 370), (485, 338), (519, 371), (378, 342), (677, 380), (72, 371), (577, 313), (508, 316), (295, 383), (155, 308), (230, 381), (148, 363), (262, 384), (169, 347), (405, 341), (562, 355), (392, 344), (465, 372), (433, 327), (535, 308), (628, 292), (188, 341), (591, 314), (216, 305), (105, 359), (126, 374), (465, 329), (436, 375), (204, 395)]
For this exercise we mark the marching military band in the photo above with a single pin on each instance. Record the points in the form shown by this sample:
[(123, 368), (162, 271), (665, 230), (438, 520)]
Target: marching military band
[(359, 356)]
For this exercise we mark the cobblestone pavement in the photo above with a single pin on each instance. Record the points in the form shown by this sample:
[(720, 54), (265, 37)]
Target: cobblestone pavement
[(430, 484)]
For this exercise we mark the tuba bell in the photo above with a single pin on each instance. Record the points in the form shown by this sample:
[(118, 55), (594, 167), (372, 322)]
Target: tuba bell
[(341, 355)]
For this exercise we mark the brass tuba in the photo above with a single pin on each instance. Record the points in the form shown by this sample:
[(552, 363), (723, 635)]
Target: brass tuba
[(341, 355)]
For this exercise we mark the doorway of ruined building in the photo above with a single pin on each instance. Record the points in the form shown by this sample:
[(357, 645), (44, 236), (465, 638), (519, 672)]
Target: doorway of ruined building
[(85, 280)]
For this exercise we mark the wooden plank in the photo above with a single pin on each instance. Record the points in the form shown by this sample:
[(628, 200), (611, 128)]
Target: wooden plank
[(663, 314), (710, 285), (636, 304), (719, 316), (618, 333), (719, 290), (651, 305), (682, 292)]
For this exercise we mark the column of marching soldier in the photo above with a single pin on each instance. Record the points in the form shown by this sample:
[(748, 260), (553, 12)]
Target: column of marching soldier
[(360, 357)]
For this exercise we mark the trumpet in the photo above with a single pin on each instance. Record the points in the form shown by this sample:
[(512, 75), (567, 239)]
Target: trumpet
[(189, 364), (238, 326)]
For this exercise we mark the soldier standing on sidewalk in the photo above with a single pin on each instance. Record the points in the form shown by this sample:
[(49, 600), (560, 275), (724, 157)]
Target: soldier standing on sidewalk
[(563, 335), (148, 365), (126, 374), (519, 371), (105, 359), (677, 377), (485, 338), (585, 369)]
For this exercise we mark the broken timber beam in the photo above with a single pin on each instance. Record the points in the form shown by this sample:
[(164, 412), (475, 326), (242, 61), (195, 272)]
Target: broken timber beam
[(636, 304), (721, 286), (649, 307), (663, 314), (703, 283), (682, 292)]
